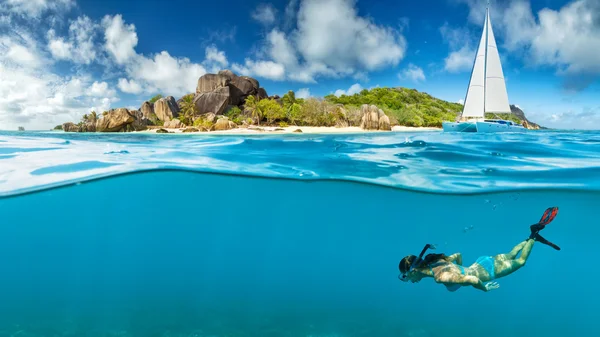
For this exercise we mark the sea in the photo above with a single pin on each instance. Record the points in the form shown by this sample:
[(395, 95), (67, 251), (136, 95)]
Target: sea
[(203, 235)]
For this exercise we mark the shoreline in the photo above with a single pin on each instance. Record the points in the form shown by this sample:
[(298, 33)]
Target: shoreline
[(257, 130)]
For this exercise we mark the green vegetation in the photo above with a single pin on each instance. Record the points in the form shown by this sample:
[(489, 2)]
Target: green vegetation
[(187, 110), (404, 106), (58, 127), (155, 98)]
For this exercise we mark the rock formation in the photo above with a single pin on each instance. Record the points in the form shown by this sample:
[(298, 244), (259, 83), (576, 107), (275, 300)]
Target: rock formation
[(374, 118), (70, 127), (166, 109), (174, 124), (215, 93), (521, 115), (120, 120), (147, 110), (224, 124)]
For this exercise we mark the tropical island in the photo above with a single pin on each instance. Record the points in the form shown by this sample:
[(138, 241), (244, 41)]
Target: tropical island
[(228, 102)]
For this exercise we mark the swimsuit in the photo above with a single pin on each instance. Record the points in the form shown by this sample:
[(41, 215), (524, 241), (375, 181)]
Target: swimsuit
[(487, 262)]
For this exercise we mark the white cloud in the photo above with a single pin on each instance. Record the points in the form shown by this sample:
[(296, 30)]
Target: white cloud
[(330, 40), (34, 8), (332, 33), (266, 69), (215, 59), (166, 74), (265, 14), (120, 38), (39, 99), (303, 93), (129, 86), (462, 51), (354, 89), (213, 54), (79, 47), (159, 73), (101, 89), (412, 72)]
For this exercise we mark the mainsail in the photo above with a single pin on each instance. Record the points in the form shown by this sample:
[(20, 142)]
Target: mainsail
[(487, 89)]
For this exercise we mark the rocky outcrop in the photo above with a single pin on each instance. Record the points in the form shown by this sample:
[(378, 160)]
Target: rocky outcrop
[(216, 92), (174, 124), (121, 120), (224, 124), (521, 115), (374, 118), (166, 108), (141, 122), (70, 127), (214, 101), (147, 110)]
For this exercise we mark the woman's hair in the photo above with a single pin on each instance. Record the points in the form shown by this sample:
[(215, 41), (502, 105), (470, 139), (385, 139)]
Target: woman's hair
[(429, 259)]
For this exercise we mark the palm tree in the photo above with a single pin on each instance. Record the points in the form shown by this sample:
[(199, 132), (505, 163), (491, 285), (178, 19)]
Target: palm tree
[(291, 106), (251, 106), (188, 110)]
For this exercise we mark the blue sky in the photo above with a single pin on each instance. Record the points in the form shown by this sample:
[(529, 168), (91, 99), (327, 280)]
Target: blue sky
[(61, 58)]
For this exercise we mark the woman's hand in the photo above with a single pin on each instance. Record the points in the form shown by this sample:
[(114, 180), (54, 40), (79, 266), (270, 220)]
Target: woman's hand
[(491, 286)]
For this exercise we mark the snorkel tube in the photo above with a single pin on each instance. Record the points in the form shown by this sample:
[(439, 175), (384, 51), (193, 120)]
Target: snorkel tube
[(416, 262)]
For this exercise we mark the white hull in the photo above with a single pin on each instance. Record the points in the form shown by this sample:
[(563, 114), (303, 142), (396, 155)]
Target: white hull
[(459, 126), (499, 126), (489, 126)]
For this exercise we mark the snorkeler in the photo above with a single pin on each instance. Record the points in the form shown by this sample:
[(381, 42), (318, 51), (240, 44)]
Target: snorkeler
[(449, 270)]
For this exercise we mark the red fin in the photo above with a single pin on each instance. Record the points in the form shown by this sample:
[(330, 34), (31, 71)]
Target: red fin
[(548, 216)]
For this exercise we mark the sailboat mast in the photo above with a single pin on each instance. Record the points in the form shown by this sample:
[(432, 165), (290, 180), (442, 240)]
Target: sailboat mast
[(487, 33)]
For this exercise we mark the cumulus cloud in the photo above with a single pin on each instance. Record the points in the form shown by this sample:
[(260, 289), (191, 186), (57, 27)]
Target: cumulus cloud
[(79, 46), (120, 38), (129, 86), (265, 14), (413, 73), (330, 40), (462, 49), (303, 93), (354, 89), (160, 72)]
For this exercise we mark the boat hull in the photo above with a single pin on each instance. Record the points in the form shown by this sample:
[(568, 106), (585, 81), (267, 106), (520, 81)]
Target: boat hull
[(459, 127), (492, 127), (482, 126)]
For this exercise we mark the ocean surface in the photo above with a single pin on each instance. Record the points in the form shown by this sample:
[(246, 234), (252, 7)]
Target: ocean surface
[(292, 235)]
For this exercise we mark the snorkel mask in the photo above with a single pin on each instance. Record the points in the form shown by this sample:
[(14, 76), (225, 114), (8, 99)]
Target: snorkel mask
[(416, 262)]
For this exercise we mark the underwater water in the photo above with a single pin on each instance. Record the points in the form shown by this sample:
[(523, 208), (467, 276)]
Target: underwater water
[(295, 235)]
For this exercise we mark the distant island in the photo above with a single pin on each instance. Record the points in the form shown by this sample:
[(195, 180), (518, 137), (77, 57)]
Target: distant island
[(228, 102)]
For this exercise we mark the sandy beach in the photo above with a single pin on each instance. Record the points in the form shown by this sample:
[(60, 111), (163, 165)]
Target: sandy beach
[(304, 129)]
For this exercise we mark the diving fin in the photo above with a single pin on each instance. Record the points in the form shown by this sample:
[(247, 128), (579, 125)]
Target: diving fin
[(548, 216), (541, 239)]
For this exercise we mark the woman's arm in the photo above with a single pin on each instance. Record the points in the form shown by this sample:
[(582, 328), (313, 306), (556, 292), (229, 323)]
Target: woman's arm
[(457, 257)]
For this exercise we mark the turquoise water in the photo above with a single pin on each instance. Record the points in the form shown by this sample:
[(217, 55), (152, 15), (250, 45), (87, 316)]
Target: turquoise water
[(296, 235)]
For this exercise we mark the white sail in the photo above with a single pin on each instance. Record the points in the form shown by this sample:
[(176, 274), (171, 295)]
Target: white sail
[(496, 97), (474, 101)]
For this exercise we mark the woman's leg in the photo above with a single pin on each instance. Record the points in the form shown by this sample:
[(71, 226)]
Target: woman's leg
[(506, 264)]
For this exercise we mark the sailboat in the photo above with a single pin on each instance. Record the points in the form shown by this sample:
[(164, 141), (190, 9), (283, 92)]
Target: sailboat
[(486, 92)]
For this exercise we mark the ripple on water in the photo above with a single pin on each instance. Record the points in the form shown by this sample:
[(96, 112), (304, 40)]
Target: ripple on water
[(427, 161), (76, 167)]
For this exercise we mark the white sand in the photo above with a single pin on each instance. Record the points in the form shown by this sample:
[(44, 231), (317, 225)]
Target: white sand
[(305, 129)]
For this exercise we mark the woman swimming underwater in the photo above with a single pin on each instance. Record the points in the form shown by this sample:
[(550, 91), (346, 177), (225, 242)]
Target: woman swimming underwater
[(449, 271)]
